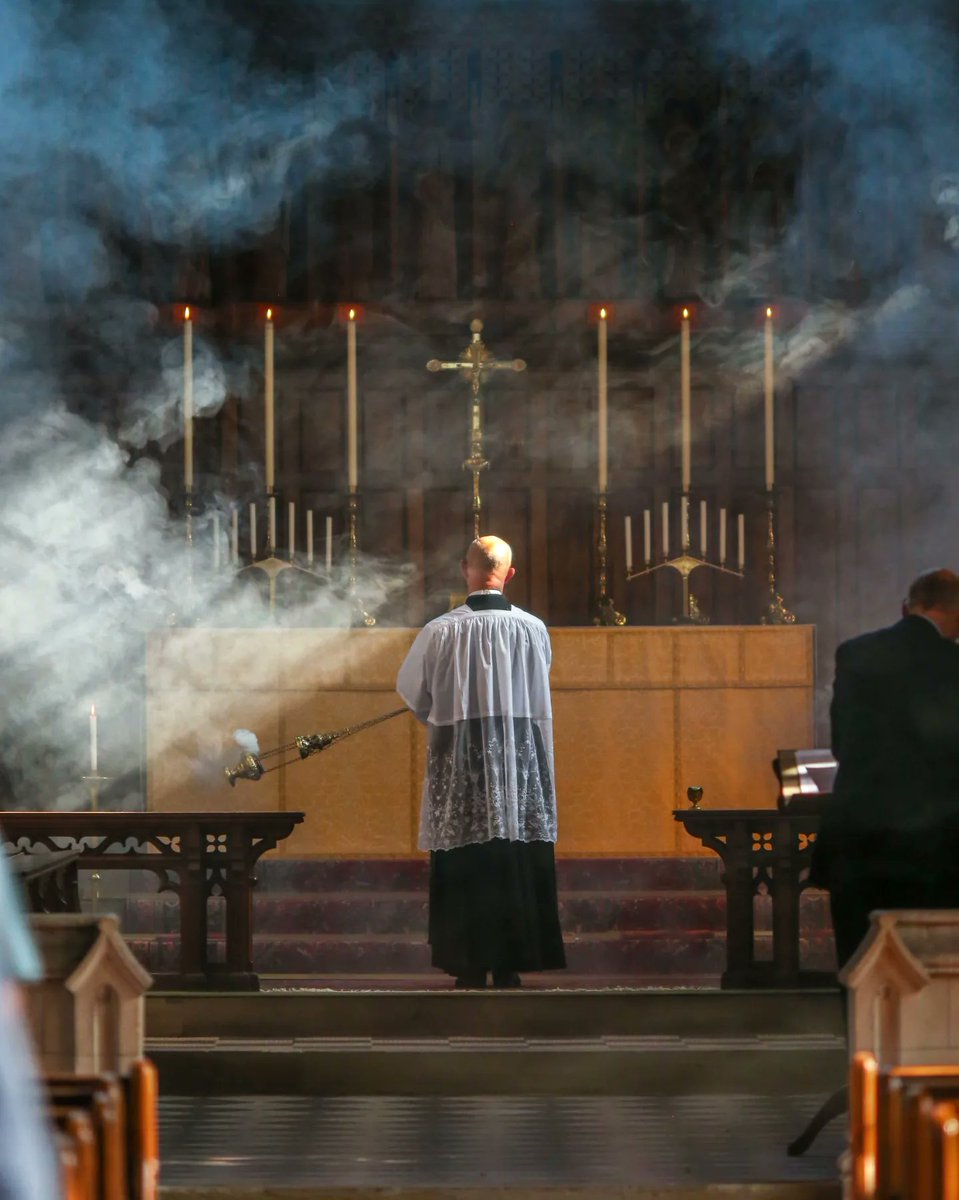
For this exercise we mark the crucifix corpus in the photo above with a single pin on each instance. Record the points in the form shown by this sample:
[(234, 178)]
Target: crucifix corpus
[(476, 361)]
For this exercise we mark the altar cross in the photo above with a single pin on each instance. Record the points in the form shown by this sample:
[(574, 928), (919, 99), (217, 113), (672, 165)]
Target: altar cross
[(475, 361)]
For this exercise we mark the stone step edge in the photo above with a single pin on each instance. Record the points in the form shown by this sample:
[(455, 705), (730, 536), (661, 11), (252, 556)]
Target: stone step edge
[(466, 1044), (518, 1191)]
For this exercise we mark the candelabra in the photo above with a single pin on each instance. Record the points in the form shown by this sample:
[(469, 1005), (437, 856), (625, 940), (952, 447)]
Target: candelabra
[(686, 563), (606, 613), (776, 612), (360, 615)]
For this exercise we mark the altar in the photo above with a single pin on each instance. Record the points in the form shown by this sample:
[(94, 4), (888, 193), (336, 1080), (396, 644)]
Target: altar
[(640, 714)]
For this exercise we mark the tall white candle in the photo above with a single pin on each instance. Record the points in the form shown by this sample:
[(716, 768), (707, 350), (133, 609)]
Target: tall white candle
[(702, 528), (351, 411), (235, 534), (685, 402), (270, 431), (291, 526), (216, 541), (309, 537), (665, 529), (629, 544), (603, 404), (252, 531), (187, 400), (722, 536), (271, 525), (769, 395), (647, 536), (741, 539), (684, 522), (94, 746), (329, 543)]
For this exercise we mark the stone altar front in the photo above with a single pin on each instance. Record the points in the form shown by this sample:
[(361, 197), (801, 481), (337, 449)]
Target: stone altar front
[(639, 714)]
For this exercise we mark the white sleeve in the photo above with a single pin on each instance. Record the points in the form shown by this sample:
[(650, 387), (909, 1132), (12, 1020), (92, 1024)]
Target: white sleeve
[(413, 680)]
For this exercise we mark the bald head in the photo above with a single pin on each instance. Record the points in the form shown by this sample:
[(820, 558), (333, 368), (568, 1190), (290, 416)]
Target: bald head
[(935, 595), (488, 563)]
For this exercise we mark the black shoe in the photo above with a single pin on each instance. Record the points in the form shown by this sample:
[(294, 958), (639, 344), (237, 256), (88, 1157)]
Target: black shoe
[(507, 979), (470, 981)]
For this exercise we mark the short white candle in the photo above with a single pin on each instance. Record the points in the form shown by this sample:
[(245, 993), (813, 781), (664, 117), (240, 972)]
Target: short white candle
[(187, 400), (684, 522), (94, 748), (647, 535), (271, 525), (722, 536), (702, 528), (216, 541), (352, 453), (270, 419), (685, 399), (629, 544), (665, 529), (235, 534), (769, 394), (603, 404), (741, 537), (291, 525), (329, 543), (253, 530), (309, 537)]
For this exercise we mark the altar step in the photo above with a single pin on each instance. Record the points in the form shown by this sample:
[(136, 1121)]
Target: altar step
[(623, 919)]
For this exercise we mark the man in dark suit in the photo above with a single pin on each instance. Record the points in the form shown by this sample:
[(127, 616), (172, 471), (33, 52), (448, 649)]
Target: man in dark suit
[(890, 836)]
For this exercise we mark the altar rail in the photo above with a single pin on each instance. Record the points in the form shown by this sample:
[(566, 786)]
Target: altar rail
[(762, 850), (195, 855)]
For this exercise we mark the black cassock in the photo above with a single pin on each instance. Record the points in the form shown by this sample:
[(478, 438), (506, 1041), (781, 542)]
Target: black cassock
[(889, 838)]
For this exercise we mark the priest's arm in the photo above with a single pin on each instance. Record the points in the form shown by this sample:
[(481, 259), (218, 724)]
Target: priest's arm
[(413, 680)]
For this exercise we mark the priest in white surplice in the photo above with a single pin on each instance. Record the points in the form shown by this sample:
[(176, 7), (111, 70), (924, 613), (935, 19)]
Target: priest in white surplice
[(479, 678)]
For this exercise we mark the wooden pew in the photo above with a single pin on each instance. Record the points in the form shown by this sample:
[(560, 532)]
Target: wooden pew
[(102, 1097), (143, 1130), (112, 1130), (903, 1140), (77, 1145)]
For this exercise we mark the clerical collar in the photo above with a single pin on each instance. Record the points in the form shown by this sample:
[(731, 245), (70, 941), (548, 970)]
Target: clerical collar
[(487, 592), (488, 601)]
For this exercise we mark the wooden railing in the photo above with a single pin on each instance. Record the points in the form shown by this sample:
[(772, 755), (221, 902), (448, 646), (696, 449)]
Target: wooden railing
[(194, 855), (904, 1131), (107, 1133)]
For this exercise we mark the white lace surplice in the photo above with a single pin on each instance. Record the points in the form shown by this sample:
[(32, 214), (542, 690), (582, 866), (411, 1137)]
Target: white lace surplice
[(480, 680)]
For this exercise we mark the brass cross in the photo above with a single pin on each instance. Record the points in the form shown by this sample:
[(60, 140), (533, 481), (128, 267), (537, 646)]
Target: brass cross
[(476, 360)]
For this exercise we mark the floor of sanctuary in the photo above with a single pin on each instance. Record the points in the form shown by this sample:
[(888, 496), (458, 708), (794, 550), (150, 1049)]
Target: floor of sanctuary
[(598, 1142), (631, 1093)]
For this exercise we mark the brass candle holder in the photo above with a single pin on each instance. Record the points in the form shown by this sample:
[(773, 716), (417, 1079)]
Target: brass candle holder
[(95, 783), (360, 617), (606, 613), (776, 612), (685, 564)]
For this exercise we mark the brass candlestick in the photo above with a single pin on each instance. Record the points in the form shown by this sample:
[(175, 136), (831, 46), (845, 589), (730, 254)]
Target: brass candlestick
[(606, 613), (271, 564), (685, 564), (360, 616), (776, 612), (94, 783)]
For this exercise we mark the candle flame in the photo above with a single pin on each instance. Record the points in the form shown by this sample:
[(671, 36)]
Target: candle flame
[(769, 313), (93, 710), (186, 313), (352, 314), (269, 314), (602, 314), (685, 314)]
